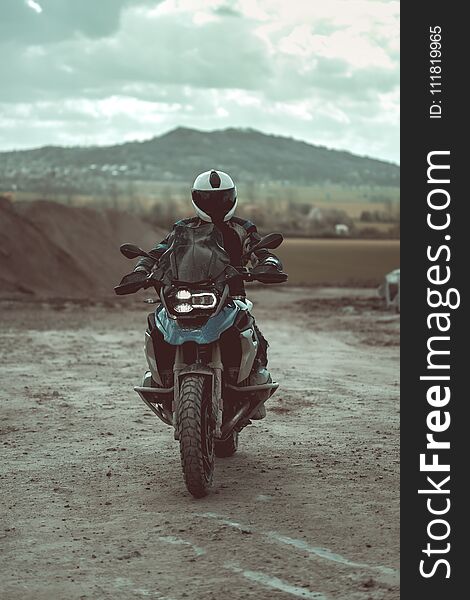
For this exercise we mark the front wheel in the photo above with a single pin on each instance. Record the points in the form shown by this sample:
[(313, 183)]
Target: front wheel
[(196, 434)]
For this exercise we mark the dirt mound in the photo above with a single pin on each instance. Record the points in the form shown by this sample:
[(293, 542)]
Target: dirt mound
[(49, 249)]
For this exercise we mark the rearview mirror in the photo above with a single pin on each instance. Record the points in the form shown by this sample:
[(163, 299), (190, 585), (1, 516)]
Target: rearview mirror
[(271, 241), (132, 251)]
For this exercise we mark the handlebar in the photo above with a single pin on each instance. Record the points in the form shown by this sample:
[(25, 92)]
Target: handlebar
[(243, 272)]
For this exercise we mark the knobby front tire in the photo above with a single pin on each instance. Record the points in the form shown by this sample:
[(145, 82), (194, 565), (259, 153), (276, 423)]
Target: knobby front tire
[(196, 426)]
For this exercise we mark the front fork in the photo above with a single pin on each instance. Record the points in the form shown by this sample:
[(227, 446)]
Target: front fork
[(213, 370)]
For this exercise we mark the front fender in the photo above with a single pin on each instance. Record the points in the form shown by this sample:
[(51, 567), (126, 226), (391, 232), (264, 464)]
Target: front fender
[(210, 331)]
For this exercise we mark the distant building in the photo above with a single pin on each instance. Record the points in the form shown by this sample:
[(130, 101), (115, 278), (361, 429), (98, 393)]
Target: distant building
[(341, 230)]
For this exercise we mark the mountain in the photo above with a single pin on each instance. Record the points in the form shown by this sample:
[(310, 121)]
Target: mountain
[(179, 155)]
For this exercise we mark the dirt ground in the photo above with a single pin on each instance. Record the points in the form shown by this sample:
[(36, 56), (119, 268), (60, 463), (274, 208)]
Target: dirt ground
[(94, 504)]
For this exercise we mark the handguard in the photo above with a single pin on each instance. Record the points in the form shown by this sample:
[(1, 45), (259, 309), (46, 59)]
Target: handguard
[(131, 283), (268, 273)]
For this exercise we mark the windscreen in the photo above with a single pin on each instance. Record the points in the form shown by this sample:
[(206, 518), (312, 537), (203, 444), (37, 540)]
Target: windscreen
[(196, 255)]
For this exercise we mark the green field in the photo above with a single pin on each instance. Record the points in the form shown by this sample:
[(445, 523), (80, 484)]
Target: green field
[(338, 262)]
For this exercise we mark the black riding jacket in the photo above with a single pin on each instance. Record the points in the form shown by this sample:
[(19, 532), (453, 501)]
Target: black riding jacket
[(239, 236)]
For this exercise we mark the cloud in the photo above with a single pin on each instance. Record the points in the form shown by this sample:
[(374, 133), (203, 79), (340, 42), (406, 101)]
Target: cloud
[(149, 48), (322, 71), (34, 6), (49, 21)]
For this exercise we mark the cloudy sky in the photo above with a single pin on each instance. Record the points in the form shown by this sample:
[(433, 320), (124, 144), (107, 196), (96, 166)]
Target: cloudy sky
[(77, 72)]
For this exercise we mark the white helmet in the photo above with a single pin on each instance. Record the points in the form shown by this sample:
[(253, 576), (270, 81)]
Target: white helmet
[(214, 196)]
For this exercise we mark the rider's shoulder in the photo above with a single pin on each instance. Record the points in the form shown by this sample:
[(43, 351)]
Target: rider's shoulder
[(248, 226), (191, 222)]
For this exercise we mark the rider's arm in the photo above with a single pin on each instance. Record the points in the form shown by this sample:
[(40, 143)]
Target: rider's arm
[(145, 263)]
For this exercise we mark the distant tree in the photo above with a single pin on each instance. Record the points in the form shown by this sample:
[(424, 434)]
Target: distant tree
[(250, 191), (155, 214), (132, 201), (388, 206), (370, 232)]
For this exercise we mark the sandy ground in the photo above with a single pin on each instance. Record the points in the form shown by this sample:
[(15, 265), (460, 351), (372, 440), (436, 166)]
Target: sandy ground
[(93, 496)]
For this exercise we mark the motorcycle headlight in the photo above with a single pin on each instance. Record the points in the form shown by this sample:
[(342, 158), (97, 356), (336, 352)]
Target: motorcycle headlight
[(184, 307), (204, 300), (183, 295), (185, 301)]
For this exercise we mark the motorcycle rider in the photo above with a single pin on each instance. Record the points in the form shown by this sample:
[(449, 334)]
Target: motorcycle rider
[(214, 198)]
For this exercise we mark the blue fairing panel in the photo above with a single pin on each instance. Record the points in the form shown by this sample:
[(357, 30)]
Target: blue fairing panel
[(176, 335)]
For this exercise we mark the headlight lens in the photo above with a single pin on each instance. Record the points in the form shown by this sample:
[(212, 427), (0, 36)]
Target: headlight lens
[(184, 307), (185, 301), (183, 295)]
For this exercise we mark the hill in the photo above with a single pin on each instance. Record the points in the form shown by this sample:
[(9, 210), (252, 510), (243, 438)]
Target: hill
[(179, 155), (48, 249)]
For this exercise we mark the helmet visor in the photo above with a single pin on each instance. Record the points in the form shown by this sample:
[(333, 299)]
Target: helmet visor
[(215, 203)]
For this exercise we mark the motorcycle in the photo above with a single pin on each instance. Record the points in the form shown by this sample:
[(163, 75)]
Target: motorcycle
[(201, 345)]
